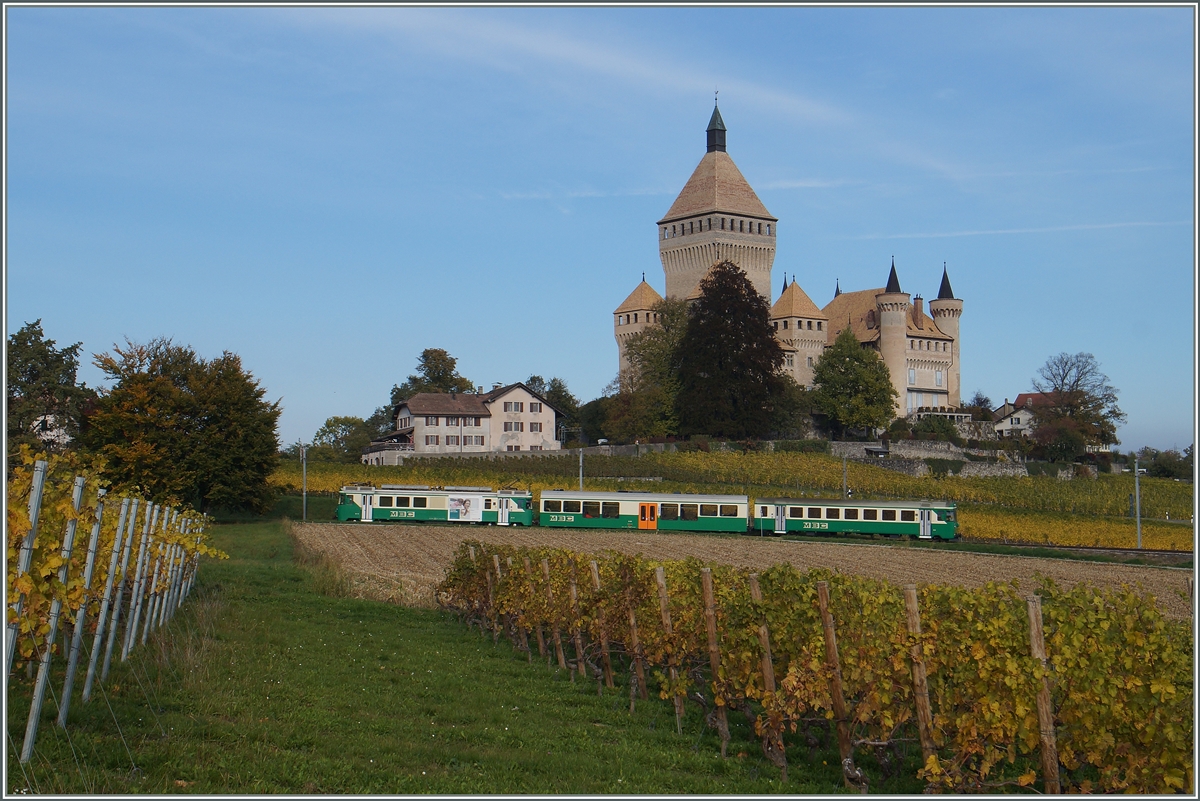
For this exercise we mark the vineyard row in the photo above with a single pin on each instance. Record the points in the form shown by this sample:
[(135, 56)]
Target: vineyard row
[(1087, 689), (121, 576)]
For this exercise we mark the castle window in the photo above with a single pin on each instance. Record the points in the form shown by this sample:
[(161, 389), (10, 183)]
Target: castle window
[(938, 378), (635, 317), (810, 362), (818, 325), (664, 232), (810, 325), (912, 376), (785, 322), (768, 229), (760, 228), (775, 325), (741, 226), (722, 223), (787, 358), (710, 223)]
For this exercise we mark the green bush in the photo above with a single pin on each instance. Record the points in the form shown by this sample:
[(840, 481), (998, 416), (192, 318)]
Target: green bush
[(802, 446)]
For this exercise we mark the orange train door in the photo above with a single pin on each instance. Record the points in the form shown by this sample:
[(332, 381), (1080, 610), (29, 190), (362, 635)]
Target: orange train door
[(646, 516)]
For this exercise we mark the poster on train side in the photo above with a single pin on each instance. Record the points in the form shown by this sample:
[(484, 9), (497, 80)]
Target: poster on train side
[(465, 508)]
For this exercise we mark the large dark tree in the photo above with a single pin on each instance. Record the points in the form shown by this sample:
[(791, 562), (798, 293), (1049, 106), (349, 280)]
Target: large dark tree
[(45, 404), (184, 429), (557, 395), (729, 359), (1077, 400), (853, 387), (436, 372)]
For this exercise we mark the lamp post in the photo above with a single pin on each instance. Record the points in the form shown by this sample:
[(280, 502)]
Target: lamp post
[(303, 483)]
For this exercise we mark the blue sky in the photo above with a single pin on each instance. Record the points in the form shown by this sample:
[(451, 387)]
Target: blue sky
[(329, 191)]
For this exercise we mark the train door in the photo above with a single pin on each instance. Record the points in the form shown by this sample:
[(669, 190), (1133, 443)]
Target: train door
[(926, 524), (502, 511), (367, 507), (780, 519), (647, 516)]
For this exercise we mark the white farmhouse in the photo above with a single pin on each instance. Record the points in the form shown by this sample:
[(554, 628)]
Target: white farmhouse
[(511, 418)]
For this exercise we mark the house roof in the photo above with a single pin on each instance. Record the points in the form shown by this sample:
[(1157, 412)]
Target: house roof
[(920, 324), (466, 404), (795, 303), (716, 186), (1032, 399), (643, 297)]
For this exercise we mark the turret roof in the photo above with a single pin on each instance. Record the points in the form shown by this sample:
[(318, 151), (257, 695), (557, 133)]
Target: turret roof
[(893, 284), (717, 186), (643, 297), (945, 292), (795, 303)]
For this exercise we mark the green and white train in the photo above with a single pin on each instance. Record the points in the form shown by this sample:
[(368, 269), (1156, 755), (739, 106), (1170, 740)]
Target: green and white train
[(649, 511), (365, 503)]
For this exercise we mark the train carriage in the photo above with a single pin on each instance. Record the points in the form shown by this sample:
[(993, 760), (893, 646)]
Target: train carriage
[(398, 502), (646, 511), (922, 519)]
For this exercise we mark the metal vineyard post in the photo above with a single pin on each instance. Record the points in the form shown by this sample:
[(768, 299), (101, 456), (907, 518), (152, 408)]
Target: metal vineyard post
[(35, 506), (81, 614), (106, 602)]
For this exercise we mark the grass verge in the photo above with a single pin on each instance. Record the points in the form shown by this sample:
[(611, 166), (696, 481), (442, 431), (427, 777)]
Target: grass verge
[(270, 680)]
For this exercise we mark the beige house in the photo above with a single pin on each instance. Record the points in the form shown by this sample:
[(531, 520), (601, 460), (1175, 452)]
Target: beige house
[(717, 217), (511, 418)]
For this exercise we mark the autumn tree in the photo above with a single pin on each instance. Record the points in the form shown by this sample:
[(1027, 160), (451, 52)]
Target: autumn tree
[(45, 404), (644, 403), (853, 386), (436, 372), (1078, 405), (180, 428), (729, 359), (340, 439)]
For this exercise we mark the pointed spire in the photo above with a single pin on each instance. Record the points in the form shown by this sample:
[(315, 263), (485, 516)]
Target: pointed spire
[(716, 131), (784, 284), (945, 292), (837, 288), (893, 284), (643, 276)]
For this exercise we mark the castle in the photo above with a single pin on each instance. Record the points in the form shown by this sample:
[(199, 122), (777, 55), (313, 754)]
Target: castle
[(718, 217)]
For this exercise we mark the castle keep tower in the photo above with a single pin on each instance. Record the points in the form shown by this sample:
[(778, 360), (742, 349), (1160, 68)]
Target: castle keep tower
[(716, 217), (633, 317)]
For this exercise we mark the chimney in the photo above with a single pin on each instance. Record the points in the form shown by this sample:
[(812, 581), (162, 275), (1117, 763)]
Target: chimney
[(495, 385), (478, 390), (453, 395), (918, 312)]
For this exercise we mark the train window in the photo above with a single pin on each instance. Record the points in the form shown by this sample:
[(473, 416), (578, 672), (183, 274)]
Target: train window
[(487, 503), (796, 511), (420, 503), (870, 514), (909, 515), (946, 517), (814, 513), (669, 511), (851, 514), (570, 506), (833, 514), (610, 510), (591, 508), (889, 514), (708, 509), (402, 502), (688, 511), (762, 511), (385, 500), (551, 506), (729, 510)]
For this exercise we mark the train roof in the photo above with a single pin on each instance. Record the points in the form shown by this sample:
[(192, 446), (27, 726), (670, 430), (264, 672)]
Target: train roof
[(426, 489), (921, 504), (633, 495)]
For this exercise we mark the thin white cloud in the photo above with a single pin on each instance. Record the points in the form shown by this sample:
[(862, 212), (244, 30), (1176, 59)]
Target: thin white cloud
[(811, 183), (1001, 231)]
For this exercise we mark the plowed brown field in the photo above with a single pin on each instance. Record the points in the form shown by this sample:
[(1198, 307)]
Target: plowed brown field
[(405, 563)]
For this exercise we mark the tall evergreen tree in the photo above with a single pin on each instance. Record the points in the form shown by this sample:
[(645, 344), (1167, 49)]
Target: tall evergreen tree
[(729, 359), (853, 386), (45, 404)]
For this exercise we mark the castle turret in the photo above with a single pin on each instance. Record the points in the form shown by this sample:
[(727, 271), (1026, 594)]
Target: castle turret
[(893, 307), (633, 316), (945, 311), (802, 330), (717, 217)]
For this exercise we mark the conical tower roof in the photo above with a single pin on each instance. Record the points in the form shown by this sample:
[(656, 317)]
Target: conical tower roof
[(794, 302), (643, 297), (945, 292), (717, 186), (893, 284)]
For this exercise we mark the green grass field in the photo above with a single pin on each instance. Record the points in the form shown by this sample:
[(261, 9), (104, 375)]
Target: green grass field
[(263, 684)]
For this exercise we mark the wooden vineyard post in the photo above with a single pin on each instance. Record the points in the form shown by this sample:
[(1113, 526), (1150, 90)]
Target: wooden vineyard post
[(540, 639), (664, 604), (772, 741), (714, 655), (764, 640), (845, 749), (1037, 644), (638, 668), (578, 635), (558, 649), (608, 675), (521, 632), (491, 608), (920, 682)]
